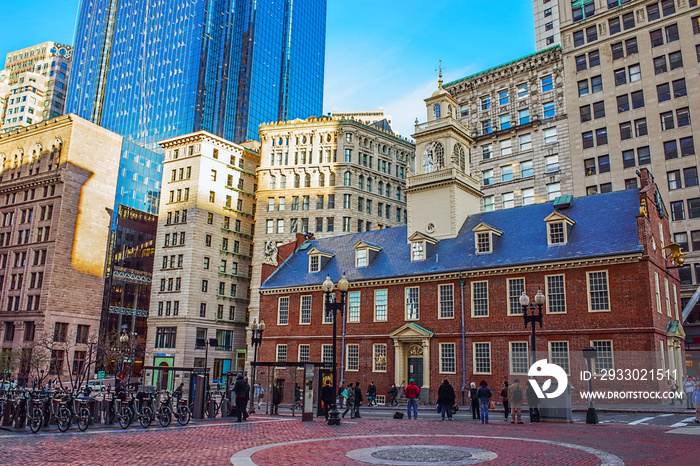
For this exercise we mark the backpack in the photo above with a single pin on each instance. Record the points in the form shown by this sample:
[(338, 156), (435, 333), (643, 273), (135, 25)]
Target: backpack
[(517, 395)]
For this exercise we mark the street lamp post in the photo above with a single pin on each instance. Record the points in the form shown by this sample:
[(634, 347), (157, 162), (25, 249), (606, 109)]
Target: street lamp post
[(124, 339), (343, 285), (256, 341), (532, 318), (590, 355)]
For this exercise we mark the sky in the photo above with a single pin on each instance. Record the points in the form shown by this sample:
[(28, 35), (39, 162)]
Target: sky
[(380, 54)]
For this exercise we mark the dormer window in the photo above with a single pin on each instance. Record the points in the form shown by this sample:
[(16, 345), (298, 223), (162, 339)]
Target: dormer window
[(485, 237), (418, 251), (365, 252), (421, 244), (318, 259), (558, 228), (361, 258)]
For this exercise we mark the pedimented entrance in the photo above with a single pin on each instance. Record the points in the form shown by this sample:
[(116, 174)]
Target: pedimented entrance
[(412, 356)]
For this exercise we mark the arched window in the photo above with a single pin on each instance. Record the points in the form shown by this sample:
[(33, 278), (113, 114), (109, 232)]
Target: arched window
[(273, 182), (347, 179), (380, 188), (388, 190), (439, 157), (321, 180), (459, 157), (283, 182), (296, 180), (361, 182), (331, 179), (436, 112), (307, 180), (369, 185)]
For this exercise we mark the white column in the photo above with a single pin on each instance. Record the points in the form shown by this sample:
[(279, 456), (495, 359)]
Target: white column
[(398, 362), (426, 363)]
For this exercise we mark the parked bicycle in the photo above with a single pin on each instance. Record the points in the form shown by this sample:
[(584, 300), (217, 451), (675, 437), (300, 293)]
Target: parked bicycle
[(162, 412), (223, 406), (140, 409), (181, 410)]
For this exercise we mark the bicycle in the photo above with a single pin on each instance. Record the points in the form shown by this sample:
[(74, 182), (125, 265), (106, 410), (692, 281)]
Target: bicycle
[(213, 407), (35, 415), (82, 412), (163, 412), (141, 410), (60, 413), (123, 413), (181, 410)]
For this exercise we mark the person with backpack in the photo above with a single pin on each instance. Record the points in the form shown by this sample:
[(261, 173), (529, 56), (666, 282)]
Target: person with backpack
[(350, 401), (504, 398), (358, 399), (475, 401), (484, 394), (515, 398), (446, 399), (394, 393), (533, 403), (372, 394)]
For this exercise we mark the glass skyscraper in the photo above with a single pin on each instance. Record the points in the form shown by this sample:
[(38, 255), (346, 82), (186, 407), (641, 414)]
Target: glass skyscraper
[(155, 69)]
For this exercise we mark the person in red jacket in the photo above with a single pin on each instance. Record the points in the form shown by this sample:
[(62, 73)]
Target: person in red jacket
[(412, 393)]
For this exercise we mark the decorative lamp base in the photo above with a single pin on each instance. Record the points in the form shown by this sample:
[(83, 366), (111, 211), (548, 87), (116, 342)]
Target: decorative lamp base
[(591, 416), (334, 417)]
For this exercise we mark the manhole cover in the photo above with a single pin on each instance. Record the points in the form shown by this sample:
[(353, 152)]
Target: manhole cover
[(421, 455)]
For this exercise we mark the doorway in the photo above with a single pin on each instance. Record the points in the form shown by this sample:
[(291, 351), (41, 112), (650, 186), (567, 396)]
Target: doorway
[(415, 370)]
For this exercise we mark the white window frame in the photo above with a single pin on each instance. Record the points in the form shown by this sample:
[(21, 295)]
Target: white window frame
[(657, 289), (549, 293), (445, 359), (280, 310), (327, 354), (377, 353), (473, 284), (450, 287), (417, 251), (305, 309), (361, 255), (550, 234), (385, 304), (351, 296), (356, 359), (489, 242), (474, 357), (514, 307), (511, 357), (567, 369), (588, 290), (300, 358), (314, 263), (596, 370), (668, 297), (407, 290), (675, 300), (280, 349)]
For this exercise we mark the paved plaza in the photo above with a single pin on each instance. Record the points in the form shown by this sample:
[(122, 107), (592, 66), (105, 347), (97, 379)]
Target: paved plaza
[(374, 439)]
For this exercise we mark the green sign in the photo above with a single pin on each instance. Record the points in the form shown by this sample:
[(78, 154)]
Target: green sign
[(101, 374)]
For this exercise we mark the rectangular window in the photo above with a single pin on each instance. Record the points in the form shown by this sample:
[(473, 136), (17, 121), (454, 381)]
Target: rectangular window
[(601, 136), (690, 175), (604, 356), (596, 84), (526, 169), (617, 50), (516, 287), (626, 133), (480, 299), (640, 127), (550, 136), (304, 353), (687, 146), (548, 109), (412, 303), (585, 113), (694, 208), (556, 294), (670, 150), (631, 46), (305, 310), (283, 311), (547, 83), (551, 163), (518, 357), (677, 210), (663, 92), (614, 25), (660, 65), (446, 301), (644, 155), (281, 353), (679, 89), (380, 305), (379, 358), (674, 179), (528, 196), (482, 358), (352, 362), (353, 306), (559, 354), (507, 173), (598, 299), (448, 362)]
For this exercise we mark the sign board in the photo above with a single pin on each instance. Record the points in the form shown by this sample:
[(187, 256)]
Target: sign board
[(101, 374)]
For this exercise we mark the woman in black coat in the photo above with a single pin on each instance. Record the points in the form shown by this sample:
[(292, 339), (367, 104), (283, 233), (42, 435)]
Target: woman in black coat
[(446, 399)]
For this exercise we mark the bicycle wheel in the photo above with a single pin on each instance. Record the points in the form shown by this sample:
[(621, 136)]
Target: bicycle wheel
[(146, 417), (109, 414), (35, 420), (164, 416), (64, 420), (183, 415), (124, 417), (83, 419)]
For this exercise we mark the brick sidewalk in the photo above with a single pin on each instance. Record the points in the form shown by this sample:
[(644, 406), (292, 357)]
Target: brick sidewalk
[(216, 441)]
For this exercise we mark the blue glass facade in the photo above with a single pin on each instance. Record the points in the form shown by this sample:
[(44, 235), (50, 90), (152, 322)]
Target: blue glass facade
[(155, 69), (138, 183)]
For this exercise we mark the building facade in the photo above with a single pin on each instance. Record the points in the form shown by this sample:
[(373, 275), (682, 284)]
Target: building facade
[(203, 253), (631, 93), (58, 187), (516, 117), (546, 15), (33, 84), (156, 71)]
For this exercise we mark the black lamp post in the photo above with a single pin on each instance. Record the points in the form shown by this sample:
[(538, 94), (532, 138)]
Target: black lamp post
[(128, 338), (532, 318), (343, 285), (590, 355), (255, 340)]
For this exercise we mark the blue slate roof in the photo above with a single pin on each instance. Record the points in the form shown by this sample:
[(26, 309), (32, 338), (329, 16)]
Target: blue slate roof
[(606, 225)]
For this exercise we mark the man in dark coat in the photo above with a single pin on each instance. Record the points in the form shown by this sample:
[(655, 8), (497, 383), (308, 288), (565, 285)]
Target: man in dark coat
[(327, 398), (358, 399), (241, 389), (446, 399), (372, 394)]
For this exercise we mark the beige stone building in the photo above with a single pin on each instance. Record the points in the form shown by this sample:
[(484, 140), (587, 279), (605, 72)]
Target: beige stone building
[(327, 176), (33, 84), (57, 188), (632, 93), (201, 276), (516, 119)]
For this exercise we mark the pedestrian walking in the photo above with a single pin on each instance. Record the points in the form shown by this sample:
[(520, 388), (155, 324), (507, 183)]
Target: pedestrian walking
[(342, 396), (688, 388), (533, 403), (350, 402), (327, 397), (394, 393), (259, 394), (241, 389), (372, 394), (504, 399), (446, 399), (484, 394), (475, 401), (515, 398), (358, 399), (276, 399), (696, 400), (412, 393)]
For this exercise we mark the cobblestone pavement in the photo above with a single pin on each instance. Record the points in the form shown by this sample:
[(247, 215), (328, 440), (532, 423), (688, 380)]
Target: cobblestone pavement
[(266, 440)]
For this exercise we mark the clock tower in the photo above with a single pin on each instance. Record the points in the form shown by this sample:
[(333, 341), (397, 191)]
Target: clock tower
[(441, 191)]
